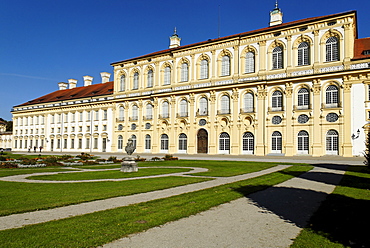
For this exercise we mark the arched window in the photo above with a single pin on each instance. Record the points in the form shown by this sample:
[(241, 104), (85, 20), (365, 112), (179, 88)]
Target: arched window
[(203, 106), (150, 79), (183, 108), (134, 141), (249, 62), (303, 142), (303, 98), (332, 141), (148, 142), (121, 116), (122, 83), (248, 103), (135, 85), (184, 72), (276, 145), (277, 58), (277, 101), (225, 66), (183, 139), (120, 142), (149, 112), (165, 110), (164, 142), (224, 143), (204, 69), (332, 49), (248, 143), (303, 54), (332, 96), (225, 105), (135, 113), (167, 75)]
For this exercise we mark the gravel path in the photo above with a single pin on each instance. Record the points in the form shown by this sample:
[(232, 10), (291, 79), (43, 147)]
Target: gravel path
[(19, 220), (269, 218)]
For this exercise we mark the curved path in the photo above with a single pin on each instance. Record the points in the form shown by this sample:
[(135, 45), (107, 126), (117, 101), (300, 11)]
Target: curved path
[(24, 178), (35, 217)]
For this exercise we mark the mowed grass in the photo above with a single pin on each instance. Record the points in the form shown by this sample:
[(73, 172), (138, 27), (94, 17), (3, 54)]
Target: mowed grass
[(216, 168), (99, 228), (111, 174), (342, 219), (18, 197)]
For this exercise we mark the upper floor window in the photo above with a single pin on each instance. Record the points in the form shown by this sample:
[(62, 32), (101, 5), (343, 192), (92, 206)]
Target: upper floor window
[(249, 62), (184, 72), (203, 106), (96, 115), (122, 83), (277, 100), (303, 98), (332, 49), (150, 79), (105, 114), (204, 69), (149, 112), (225, 66), (165, 110), (332, 97), (167, 75), (183, 108), (134, 113), (248, 103), (277, 58), (303, 54), (225, 105), (135, 85), (121, 115)]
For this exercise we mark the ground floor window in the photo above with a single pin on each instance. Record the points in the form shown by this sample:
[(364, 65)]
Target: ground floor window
[(248, 143), (72, 143), (164, 142), (134, 140), (95, 143), (183, 139), (120, 142), (224, 143), (303, 142), (148, 142), (332, 139), (276, 146)]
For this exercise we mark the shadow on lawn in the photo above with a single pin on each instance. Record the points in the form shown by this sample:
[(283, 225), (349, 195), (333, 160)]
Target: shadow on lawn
[(339, 218)]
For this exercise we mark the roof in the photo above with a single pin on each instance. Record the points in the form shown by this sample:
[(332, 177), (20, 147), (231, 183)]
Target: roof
[(362, 45), (267, 29), (75, 93)]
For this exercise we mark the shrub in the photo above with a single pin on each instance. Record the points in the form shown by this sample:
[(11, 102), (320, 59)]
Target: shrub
[(84, 156), (65, 157), (112, 158), (2, 158), (28, 161), (169, 157), (8, 165), (51, 161)]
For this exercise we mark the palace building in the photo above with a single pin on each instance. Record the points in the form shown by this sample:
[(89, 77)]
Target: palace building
[(295, 88)]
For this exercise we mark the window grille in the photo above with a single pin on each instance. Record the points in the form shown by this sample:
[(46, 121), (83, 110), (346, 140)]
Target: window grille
[(167, 75), (225, 104), (224, 142), (248, 141), (150, 79), (303, 97), (225, 66), (332, 139), (135, 85), (303, 141), (303, 118), (332, 95), (276, 142), (303, 54), (165, 110), (248, 103), (183, 108), (148, 142), (203, 106), (204, 69), (249, 62), (332, 49), (277, 100), (164, 142), (122, 84), (183, 142), (184, 72), (277, 58)]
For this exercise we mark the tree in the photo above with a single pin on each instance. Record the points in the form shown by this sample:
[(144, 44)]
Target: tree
[(367, 151)]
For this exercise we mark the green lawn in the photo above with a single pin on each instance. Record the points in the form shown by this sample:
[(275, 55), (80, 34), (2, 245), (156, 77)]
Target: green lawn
[(342, 219), (216, 168), (98, 228), (112, 174), (23, 197)]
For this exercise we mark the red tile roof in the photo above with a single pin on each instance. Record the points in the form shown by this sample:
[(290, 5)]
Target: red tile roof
[(361, 45), (273, 28), (75, 93)]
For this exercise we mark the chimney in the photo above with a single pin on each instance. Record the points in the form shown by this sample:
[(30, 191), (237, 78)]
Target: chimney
[(88, 80), (62, 86), (174, 40), (105, 77), (72, 83)]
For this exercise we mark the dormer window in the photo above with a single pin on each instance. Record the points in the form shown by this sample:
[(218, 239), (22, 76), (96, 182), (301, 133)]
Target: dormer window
[(366, 52)]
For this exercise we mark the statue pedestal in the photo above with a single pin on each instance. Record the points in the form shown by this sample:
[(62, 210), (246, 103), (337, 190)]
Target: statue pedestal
[(129, 165)]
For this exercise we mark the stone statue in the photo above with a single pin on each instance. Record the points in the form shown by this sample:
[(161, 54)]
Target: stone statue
[(130, 148), (128, 164)]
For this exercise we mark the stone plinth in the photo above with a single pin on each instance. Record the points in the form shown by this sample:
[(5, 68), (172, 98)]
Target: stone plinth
[(129, 165)]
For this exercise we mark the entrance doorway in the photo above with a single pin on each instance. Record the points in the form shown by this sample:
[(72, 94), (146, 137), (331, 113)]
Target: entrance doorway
[(202, 141)]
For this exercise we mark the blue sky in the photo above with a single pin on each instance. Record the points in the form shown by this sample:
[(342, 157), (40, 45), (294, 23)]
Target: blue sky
[(44, 42)]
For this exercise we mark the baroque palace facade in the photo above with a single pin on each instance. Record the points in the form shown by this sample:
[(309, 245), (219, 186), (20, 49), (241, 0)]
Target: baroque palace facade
[(288, 89)]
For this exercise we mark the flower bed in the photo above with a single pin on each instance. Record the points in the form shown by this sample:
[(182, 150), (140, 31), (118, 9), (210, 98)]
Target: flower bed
[(75, 163), (30, 165)]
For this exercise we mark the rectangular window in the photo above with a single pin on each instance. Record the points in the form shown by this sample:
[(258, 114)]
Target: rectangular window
[(95, 143), (79, 143), (58, 143), (105, 114), (72, 143), (87, 143), (97, 115), (104, 127), (65, 144)]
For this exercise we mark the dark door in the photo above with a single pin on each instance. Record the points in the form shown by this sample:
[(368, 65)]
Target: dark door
[(202, 140)]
